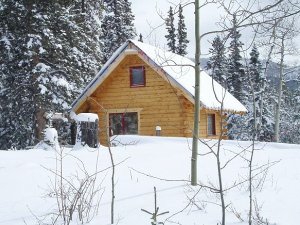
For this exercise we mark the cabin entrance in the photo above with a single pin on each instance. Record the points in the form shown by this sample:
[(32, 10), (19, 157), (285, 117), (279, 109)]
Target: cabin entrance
[(123, 123)]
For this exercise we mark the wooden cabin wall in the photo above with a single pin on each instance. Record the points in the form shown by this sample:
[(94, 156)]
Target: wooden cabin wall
[(189, 120), (158, 103)]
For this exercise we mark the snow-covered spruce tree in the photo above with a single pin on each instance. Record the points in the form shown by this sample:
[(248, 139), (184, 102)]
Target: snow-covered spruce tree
[(171, 36), (236, 84), (181, 34), (241, 127), (217, 63), (265, 127), (117, 26), (236, 71), (51, 51), (14, 97), (128, 21), (254, 77), (290, 116), (266, 132)]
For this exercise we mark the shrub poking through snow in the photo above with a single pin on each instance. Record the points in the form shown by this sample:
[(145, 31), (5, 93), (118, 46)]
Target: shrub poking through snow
[(77, 195)]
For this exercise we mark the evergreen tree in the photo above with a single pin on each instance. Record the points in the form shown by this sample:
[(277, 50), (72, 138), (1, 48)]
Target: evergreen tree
[(181, 34), (51, 51), (241, 127), (257, 81), (236, 78), (217, 63), (171, 36), (117, 26), (290, 116), (263, 115), (290, 111), (266, 131), (255, 71)]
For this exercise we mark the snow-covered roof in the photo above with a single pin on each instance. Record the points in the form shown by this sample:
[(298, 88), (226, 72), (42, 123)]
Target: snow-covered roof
[(179, 71), (86, 117)]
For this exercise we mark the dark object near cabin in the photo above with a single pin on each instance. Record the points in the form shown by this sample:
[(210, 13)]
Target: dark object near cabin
[(89, 133)]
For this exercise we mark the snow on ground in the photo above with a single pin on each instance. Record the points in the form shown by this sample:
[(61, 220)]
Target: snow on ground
[(25, 182)]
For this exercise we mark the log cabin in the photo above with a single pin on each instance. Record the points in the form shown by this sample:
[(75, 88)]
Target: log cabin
[(145, 90)]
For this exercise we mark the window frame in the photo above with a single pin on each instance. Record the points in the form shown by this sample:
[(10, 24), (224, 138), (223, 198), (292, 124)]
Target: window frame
[(123, 113), (132, 85), (214, 129)]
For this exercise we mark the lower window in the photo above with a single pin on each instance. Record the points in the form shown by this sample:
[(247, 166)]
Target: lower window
[(123, 123), (211, 124)]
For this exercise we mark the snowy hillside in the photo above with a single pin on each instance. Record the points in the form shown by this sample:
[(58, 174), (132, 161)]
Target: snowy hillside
[(25, 181)]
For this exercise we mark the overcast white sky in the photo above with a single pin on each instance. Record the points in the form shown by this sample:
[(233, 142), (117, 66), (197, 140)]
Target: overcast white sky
[(147, 18)]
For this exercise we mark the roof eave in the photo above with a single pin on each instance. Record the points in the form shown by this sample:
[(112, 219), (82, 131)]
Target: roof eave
[(101, 76)]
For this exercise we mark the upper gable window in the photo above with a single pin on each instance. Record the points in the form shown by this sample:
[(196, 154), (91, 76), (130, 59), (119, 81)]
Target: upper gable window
[(137, 76)]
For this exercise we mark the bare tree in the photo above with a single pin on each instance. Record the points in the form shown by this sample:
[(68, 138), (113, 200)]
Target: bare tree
[(76, 195), (216, 149), (113, 173), (113, 165), (285, 32), (254, 137), (248, 15), (197, 98)]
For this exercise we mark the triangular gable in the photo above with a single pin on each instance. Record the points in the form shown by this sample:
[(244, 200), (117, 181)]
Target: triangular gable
[(177, 69)]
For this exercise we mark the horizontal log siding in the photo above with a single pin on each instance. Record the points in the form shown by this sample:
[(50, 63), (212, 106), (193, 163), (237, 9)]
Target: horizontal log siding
[(189, 120), (159, 103)]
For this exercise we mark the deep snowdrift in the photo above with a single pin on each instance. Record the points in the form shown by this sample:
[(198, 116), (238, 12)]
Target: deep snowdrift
[(25, 182)]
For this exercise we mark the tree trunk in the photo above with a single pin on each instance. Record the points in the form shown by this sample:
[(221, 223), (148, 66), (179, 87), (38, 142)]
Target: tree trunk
[(254, 137), (223, 206), (40, 124), (197, 98), (39, 120), (82, 6), (278, 105), (220, 178), (112, 203)]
